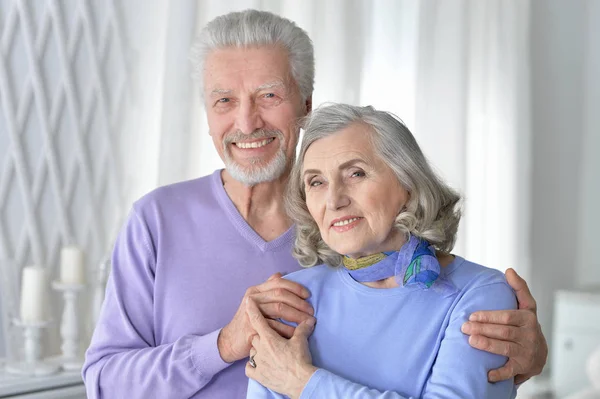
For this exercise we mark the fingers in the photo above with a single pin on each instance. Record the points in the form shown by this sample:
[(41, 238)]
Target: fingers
[(503, 373), (305, 328), (283, 311), (515, 318), (275, 276), (282, 283), (524, 297), (497, 331), (282, 329), (503, 348), (255, 341), (257, 320), (282, 296)]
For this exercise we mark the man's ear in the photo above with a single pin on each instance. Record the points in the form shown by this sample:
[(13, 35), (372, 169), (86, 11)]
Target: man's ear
[(309, 104)]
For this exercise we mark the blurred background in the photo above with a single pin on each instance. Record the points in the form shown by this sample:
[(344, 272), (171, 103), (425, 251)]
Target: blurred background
[(97, 107)]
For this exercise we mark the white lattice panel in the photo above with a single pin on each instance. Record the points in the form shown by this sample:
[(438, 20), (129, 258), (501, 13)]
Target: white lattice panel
[(63, 82)]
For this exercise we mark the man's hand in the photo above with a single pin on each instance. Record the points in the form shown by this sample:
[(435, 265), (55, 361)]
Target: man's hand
[(512, 333), (277, 298), (282, 365)]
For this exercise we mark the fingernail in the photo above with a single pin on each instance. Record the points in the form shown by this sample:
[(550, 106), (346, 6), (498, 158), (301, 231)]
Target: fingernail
[(473, 317), (311, 322), (466, 328)]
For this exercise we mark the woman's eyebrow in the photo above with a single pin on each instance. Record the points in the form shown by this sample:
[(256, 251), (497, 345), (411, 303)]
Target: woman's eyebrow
[(344, 165), (311, 172), (351, 162)]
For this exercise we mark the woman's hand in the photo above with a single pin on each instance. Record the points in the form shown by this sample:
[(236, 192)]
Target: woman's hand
[(282, 365)]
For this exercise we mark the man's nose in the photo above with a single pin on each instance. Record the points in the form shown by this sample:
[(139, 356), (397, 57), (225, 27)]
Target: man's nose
[(248, 117)]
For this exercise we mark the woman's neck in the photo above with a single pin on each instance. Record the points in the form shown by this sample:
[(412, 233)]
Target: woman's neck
[(444, 258)]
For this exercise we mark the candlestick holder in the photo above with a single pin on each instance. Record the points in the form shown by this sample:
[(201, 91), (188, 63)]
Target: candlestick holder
[(32, 365), (69, 325)]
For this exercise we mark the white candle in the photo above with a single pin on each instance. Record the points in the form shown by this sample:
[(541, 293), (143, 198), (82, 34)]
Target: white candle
[(72, 269), (33, 295)]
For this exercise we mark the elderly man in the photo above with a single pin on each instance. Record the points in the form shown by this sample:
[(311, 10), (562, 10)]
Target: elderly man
[(173, 323)]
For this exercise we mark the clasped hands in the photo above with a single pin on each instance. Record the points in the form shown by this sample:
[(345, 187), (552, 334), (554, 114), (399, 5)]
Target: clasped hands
[(283, 359)]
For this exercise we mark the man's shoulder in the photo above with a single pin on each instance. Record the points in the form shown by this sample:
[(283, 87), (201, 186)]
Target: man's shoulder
[(178, 195)]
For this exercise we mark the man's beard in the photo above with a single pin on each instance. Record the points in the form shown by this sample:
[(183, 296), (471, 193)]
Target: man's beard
[(259, 171)]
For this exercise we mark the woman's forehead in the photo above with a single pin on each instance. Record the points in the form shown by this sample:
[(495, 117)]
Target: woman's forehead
[(339, 148)]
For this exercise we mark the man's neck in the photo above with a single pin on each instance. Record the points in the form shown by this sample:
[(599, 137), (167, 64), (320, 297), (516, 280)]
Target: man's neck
[(261, 205)]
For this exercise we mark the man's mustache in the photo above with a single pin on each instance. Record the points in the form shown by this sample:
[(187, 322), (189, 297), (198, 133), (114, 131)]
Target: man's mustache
[(238, 136)]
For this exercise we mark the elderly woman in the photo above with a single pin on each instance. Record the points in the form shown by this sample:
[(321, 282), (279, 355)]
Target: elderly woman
[(389, 297)]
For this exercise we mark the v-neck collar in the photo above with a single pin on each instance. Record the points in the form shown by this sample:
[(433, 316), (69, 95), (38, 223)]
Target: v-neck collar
[(242, 225)]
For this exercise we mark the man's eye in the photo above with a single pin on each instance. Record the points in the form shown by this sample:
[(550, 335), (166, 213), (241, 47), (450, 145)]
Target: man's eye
[(269, 95), (358, 173), (223, 100)]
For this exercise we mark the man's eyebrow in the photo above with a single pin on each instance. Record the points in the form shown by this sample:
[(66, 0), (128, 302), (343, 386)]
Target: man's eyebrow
[(270, 85), (220, 92)]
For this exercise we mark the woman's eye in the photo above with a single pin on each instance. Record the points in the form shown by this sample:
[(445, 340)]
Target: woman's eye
[(315, 183)]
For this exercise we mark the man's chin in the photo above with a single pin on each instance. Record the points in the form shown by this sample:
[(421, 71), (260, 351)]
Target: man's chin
[(255, 174)]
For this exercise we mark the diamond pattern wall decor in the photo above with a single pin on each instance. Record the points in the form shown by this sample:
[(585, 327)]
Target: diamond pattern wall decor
[(63, 84)]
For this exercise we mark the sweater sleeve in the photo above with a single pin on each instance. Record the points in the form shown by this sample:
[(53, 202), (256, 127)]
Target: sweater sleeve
[(123, 358), (459, 372)]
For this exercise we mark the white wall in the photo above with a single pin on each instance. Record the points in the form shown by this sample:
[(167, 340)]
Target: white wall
[(63, 179), (565, 146)]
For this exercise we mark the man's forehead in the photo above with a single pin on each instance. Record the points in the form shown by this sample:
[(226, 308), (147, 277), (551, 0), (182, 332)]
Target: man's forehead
[(259, 66)]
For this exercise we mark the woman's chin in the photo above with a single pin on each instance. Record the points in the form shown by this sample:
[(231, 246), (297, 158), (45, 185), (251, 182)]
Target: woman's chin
[(351, 251)]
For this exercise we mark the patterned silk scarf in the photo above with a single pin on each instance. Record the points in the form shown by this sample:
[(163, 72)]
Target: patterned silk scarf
[(414, 263)]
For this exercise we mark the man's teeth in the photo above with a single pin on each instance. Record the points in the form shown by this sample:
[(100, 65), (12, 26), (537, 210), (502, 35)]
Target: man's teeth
[(255, 144), (345, 222)]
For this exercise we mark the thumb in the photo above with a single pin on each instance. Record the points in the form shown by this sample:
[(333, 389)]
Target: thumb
[(305, 329), (524, 297), (256, 318)]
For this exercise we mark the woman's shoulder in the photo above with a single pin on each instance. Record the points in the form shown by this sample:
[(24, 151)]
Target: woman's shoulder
[(312, 275), (465, 274), (484, 285)]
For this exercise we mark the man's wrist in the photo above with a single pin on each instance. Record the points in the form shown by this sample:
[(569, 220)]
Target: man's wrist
[(224, 347)]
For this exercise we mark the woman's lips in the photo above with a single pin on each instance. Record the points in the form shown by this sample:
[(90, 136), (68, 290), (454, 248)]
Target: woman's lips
[(344, 224)]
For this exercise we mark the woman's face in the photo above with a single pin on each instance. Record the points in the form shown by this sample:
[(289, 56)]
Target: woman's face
[(352, 194)]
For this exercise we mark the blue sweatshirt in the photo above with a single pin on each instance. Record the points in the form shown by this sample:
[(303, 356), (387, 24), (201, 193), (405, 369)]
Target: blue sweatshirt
[(402, 342)]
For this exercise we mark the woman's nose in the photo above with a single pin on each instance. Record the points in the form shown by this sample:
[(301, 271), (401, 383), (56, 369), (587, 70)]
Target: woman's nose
[(337, 197)]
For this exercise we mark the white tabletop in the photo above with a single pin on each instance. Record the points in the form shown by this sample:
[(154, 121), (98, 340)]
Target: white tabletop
[(11, 384)]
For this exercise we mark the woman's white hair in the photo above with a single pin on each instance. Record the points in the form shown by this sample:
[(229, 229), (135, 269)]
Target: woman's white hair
[(253, 28), (433, 210)]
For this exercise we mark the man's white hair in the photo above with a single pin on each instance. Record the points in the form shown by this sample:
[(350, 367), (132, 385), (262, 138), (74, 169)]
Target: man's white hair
[(253, 28)]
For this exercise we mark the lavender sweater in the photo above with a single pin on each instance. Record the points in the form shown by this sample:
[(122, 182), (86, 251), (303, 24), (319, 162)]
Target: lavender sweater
[(181, 266)]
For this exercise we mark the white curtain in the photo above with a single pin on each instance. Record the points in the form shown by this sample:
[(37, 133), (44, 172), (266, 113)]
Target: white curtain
[(455, 71)]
